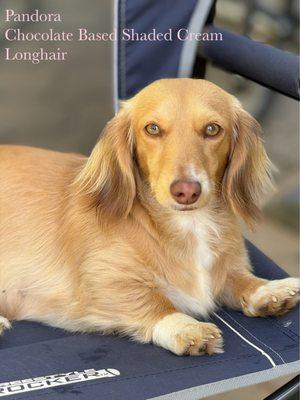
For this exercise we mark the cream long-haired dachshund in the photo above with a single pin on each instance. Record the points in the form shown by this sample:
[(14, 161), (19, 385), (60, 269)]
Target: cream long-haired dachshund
[(142, 236)]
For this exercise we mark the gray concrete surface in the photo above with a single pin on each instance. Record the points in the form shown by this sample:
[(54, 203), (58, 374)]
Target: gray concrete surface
[(59, 105)]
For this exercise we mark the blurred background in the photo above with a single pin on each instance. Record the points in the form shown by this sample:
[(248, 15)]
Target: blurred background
[(64, 105), (57, 105)]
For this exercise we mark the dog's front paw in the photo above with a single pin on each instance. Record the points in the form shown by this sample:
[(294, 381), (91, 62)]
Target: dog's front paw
[(273, 298), (184, 335), (4, 324)]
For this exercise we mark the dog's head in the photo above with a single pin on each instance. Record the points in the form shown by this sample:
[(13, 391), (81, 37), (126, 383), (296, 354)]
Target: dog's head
[(190, 142)]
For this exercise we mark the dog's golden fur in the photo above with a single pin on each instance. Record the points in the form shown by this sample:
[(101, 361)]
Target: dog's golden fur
[(98, 244)]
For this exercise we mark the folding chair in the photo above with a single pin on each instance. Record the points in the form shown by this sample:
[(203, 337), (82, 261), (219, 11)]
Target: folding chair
[(37, 361)]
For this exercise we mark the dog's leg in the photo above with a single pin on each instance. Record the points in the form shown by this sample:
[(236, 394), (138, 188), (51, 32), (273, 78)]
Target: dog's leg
[(153, 318), (272, 298), (4, 324), (177, 332), (184, 335), (258, 297)]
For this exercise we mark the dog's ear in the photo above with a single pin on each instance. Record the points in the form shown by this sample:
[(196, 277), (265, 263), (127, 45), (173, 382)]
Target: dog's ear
[(107, 177), (248, 174)]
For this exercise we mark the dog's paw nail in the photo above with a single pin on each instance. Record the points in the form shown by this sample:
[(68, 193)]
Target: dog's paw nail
[(212, 336), (274, 299), (292, 292), (192, 343)]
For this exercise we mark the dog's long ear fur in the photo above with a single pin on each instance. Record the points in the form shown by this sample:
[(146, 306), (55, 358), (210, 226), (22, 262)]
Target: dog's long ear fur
[(248, 174), (107, 177)]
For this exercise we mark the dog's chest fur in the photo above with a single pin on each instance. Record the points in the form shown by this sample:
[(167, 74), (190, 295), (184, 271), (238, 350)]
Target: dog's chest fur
[(198, 298)]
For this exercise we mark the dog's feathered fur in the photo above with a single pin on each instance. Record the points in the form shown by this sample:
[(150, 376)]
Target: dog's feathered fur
[(98, 244)]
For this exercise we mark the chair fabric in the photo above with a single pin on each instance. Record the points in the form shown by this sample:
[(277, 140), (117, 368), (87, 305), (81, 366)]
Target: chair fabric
[(138, 62), (259, 62)]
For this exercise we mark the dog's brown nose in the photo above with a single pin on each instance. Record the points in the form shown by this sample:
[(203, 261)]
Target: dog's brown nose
[(185, 192)]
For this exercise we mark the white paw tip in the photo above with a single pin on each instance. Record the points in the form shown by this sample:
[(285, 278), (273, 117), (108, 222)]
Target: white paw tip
[(219, 351), (5, 323)]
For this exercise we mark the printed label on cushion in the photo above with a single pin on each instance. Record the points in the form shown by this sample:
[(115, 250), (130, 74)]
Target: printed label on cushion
[(45, 382)]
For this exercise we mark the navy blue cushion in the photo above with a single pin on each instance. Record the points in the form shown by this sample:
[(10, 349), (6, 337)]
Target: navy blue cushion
[(31, 350), (142, 62)]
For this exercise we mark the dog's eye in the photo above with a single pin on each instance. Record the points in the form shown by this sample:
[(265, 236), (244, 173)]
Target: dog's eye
[(152, 129), (212, 129)]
